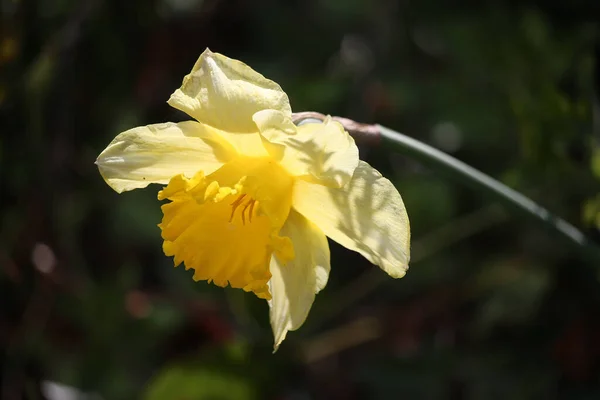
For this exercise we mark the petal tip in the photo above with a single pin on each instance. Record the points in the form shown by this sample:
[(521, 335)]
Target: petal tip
[(401, 274), (278, 340), (394, 271)]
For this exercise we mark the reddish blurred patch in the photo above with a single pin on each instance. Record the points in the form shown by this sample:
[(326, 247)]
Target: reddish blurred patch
[(577, 349)]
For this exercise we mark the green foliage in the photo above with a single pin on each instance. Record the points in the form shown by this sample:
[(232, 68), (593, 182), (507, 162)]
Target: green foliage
[(200, 380)]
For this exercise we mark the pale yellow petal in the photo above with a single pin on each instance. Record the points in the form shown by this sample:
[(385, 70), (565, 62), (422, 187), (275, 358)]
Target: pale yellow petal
[(293, 286), (246, 144), (156, 153), (225, 93), (323, 151), (367, 216)]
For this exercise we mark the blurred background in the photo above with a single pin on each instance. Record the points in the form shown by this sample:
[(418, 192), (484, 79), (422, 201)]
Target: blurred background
[(493, 307)]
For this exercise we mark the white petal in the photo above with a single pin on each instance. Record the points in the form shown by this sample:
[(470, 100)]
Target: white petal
[(293, 286), (156, 153), (367, 216), (323, 151), (225, 93)]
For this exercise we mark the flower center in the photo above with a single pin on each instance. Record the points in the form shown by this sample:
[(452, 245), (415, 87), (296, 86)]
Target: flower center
[(226, 225)]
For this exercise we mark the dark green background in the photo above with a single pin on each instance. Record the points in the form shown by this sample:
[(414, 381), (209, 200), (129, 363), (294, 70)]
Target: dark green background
[(492, 307)]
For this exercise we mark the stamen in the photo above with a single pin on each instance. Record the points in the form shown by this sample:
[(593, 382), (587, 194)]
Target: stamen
[(251, 210), (238, 200), (235, 205), (248, 204)]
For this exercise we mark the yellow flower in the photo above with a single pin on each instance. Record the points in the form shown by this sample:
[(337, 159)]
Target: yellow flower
[(252, 197)]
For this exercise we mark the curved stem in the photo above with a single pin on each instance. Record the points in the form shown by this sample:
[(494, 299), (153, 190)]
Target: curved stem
[(479, 181)]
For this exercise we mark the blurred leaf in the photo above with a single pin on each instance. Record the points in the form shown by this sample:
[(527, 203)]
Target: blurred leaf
[(596, 161), (511, 292), (196, 381), (591, 212)]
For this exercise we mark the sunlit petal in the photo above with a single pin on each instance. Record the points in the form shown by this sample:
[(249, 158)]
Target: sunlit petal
[(225, 93), (156, 153), (367, 216), (293, 285), (246, 144), (323, 151)]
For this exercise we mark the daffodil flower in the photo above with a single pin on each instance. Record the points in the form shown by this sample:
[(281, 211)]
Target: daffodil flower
[(252, 197)]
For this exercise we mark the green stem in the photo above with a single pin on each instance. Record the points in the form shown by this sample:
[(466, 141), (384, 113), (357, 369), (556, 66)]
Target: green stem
[(496, 190)]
